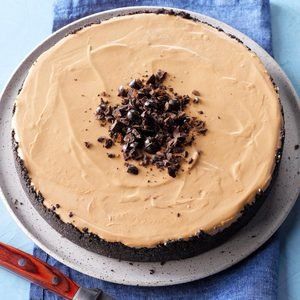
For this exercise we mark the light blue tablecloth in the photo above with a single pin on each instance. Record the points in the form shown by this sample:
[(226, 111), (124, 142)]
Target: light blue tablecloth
[(25, 23)]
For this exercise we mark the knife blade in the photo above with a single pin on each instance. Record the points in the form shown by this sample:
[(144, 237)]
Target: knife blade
[(46, 276)]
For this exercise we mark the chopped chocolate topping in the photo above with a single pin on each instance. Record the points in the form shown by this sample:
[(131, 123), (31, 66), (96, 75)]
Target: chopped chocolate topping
[(151, 124), (57, 205), (196, 100), (131, 169), (71, 214), (111, 155), (296, 147), (152, 271), (178, 215), (87, 145)]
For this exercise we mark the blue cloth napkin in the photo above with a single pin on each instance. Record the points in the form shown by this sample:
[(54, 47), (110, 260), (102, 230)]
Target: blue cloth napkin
[(254, 278)]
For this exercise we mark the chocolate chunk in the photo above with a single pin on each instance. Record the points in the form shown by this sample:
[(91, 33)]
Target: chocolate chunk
[(85, 229), (190, 161), (133, 115), (172, 171), (172, 105), (178, 215), (108, 143), (101, 139), (136, 84), (116, 127), (151, 145), (122, 92), (152, 271), (71, 214), (87, 145), (296, 147), (196, 100), (196, 93), (161, 75), (151, 79), (57, 205), (111, 155), (131, 169)]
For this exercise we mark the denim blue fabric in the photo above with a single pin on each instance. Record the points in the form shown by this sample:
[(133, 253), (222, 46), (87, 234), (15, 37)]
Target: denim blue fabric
[(256, 277)]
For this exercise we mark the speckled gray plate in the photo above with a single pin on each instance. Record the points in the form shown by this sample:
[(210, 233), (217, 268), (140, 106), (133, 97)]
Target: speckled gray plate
[(262, 226)]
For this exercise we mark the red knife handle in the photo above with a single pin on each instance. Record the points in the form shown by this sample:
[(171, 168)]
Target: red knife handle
[(37, 271)]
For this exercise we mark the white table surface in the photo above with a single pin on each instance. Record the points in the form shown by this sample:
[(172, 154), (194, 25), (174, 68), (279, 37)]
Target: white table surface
[(25, 23)]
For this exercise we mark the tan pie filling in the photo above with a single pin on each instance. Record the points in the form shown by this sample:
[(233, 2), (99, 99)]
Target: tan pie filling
[(55, 116)]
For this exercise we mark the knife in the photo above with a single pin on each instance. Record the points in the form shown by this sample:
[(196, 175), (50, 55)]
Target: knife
[(46, 276)]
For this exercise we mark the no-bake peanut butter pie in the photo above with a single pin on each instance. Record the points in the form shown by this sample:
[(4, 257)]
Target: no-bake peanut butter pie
[(148, 137)]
